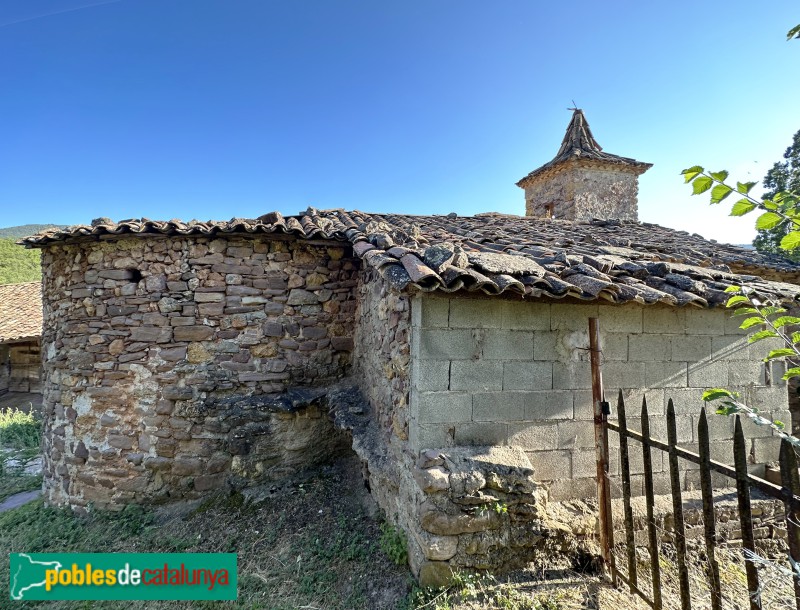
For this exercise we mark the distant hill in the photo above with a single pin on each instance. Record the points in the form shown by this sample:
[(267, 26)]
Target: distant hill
[(18, 264), (23, 230)]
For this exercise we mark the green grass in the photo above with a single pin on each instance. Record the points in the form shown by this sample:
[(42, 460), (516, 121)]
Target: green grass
[(19, 430), (308, 546), (19, 443)]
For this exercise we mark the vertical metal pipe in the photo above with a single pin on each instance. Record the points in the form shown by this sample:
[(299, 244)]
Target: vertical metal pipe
[(601, 445)]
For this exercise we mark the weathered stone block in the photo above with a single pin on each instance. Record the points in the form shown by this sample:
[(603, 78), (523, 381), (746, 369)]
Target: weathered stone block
[(550, 465), (545, 346), (499, 406), (648, 347), (572, 376), (527, 375), (706, 321), (621, 319), (708, 374), (193, 333), (525, 316), (476, 375), (507, 345), (691, 348), (447, 344), (664, 320), (533, 436), (156, 334), (547, 405), (666, 375), (572, 435), (566, 316), (469, 313), (432, 375), (441, 407), (481, 433), (298, 296), (430, 312), (618, 375)]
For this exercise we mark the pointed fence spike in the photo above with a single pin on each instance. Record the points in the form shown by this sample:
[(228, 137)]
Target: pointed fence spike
[(630, 543), (677, 508), (745, 514), (791, 483), (652, 535), (709, 518)]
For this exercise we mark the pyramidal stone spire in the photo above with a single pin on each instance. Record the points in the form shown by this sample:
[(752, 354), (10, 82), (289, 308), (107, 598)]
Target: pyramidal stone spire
[(582, 182)]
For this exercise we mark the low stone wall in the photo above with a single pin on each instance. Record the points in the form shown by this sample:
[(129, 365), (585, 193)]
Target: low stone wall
[(155, 346)]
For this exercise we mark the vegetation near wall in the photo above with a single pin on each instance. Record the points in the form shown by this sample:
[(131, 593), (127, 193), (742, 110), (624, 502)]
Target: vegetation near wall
[(18, 264)]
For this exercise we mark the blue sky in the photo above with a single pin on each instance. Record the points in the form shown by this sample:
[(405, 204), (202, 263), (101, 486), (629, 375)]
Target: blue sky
[(214, 109)]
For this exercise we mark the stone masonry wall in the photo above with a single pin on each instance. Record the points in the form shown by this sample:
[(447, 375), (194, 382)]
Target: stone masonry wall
[(161, 355), (584, 193), (382, 353), (496, 372)]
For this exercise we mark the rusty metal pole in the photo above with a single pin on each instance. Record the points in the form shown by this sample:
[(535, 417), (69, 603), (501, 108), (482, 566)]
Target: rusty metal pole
[(601, 444)]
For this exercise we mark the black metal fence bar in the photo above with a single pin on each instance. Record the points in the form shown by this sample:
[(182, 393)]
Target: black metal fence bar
[(677, 508), (745, 515), (791, 480), (652, 537), (630, 543), (709, 519), (788, 493), (770, 489)]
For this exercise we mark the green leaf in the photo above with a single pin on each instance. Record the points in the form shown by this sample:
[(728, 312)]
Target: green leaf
[(701, 184), (742, 207), (778, 424), (768, 220), (784, 320), (780, 353), (770, 205), (744, 311), (736, 300), (715, 393), (792, 372), (750, 322), (744, 187), (791, 241), (796, 337), (762, 334), (793, 33), (719, 192), (719, 176), (733, 289), (692, 173), (728, 408), (771, 310)]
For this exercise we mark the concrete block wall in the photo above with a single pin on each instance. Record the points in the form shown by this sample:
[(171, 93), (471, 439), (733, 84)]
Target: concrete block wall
[(501, 372)]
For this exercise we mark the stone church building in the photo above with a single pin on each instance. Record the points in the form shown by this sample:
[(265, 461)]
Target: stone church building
[(449, 352)]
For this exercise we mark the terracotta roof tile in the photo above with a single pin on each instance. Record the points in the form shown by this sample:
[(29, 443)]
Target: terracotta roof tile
[(618, 261), (20, 311)]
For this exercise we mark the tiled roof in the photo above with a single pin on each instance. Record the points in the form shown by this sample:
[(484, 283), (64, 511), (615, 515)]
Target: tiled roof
[(579, 143), (20, 311), (619, 261)]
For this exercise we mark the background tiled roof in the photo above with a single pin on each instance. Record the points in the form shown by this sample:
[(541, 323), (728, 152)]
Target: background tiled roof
[(619, 261), (20, 311)]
